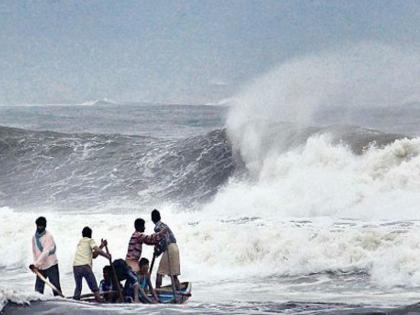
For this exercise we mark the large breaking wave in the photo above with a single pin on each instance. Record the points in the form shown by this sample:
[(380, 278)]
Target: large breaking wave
[(74, 170), (366, 85)]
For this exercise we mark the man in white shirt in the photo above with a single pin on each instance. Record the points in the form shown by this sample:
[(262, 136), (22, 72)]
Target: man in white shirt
[(45, 258)]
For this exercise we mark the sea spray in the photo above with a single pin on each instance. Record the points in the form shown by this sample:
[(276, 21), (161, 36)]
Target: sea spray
[(333, 87)]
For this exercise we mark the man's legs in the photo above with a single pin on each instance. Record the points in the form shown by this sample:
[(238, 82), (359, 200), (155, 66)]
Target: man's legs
[(91, 281), (39, 284), (78, 276), (136, 288), (134, 283), (53, 275)]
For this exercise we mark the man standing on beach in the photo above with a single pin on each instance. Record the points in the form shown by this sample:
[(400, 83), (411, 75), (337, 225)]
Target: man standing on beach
[(45, 258)]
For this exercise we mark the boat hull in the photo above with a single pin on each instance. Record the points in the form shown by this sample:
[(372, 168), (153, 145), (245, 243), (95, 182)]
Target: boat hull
[(164, 293)]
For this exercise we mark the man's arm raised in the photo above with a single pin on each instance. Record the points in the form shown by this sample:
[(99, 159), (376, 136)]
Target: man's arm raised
[(97, 251)]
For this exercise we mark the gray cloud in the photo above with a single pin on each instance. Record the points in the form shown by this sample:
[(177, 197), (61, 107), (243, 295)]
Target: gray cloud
[(174, 51)]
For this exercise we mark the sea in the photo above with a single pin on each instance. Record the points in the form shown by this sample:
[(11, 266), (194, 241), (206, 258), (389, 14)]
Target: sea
[(274, 210)]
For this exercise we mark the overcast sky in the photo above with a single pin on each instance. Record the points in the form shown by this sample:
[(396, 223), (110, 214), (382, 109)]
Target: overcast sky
[(175, 51)]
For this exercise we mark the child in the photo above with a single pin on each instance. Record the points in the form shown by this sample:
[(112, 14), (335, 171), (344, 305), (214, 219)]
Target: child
[(106, 283), (82, 264), (145, 283)]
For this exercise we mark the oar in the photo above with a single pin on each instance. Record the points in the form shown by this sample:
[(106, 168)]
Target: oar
[(40, 276), (89, 295), (114, 275), (153, 262)]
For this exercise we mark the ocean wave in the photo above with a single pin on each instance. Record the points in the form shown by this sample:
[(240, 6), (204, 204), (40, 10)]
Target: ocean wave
[(100, 102), (322, 178), (73, 169), (79, 170)]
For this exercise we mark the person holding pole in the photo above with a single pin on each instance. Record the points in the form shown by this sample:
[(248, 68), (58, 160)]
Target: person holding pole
[(45, 263), (169, 263), (82, 264)]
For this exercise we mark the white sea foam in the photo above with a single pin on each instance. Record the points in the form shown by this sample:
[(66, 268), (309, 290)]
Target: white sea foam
[(17, 297)]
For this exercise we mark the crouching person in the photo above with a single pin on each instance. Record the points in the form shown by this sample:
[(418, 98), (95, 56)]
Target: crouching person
[(145, 283), (82, 264), (107, 287), (131, 286)]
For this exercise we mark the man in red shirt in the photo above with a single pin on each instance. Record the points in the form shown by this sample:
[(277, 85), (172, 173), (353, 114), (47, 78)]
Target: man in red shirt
[(135, 245)]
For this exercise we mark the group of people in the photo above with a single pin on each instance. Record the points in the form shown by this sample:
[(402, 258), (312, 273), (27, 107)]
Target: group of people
[(134, 270)]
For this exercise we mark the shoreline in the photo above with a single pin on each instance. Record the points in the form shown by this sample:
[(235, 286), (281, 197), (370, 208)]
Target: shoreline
[(74, 307)]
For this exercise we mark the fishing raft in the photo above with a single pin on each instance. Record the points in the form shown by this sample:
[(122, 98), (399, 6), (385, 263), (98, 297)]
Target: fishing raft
[(164, 293)]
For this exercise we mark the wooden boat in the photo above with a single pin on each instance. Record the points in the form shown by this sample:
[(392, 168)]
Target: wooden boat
[(164, 293)]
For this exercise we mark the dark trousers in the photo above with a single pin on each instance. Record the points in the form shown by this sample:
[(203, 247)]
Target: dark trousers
[(86, 272), (51, 274)]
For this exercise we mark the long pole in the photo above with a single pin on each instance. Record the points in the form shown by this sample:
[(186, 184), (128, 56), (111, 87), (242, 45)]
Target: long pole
[(152, 264), (40, 276), (88, 295), (114, 275)]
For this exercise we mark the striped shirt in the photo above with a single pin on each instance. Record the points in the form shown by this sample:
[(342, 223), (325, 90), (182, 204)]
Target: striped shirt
[(135, 245)]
